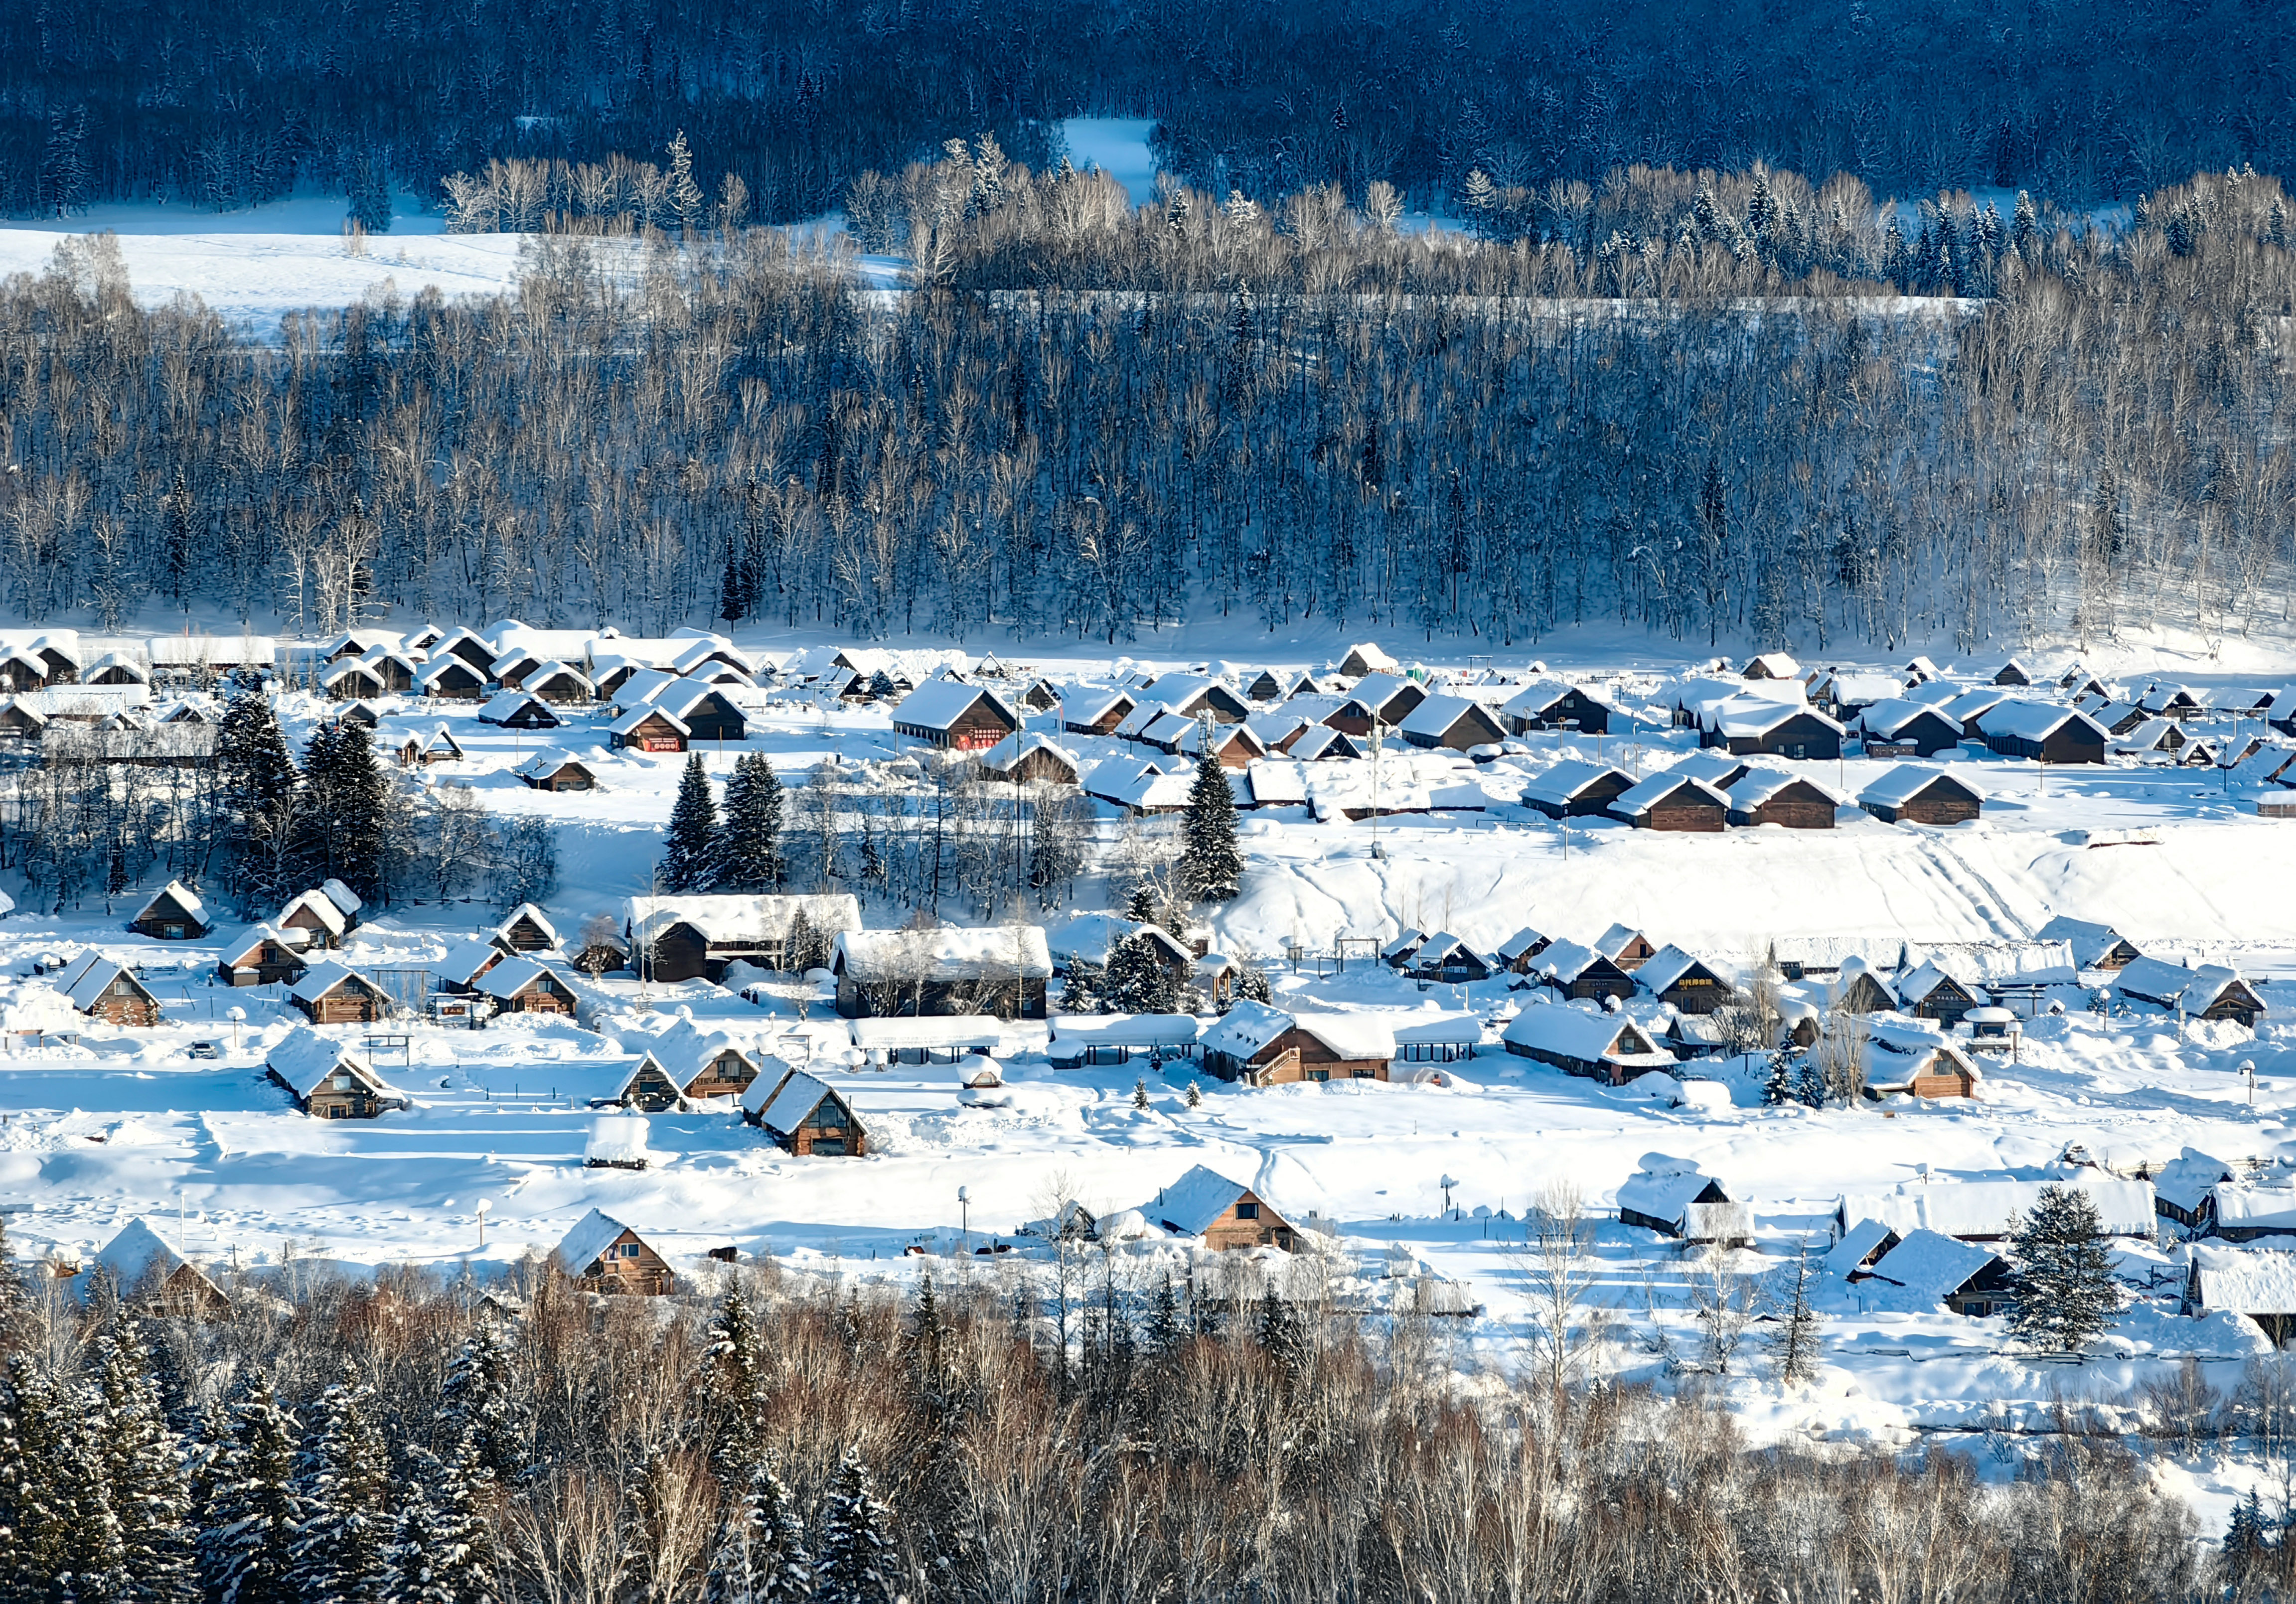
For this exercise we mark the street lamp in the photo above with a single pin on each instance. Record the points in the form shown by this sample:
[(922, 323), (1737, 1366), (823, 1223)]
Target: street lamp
[(1447, 1183), (483, 1205), (964, 1216)]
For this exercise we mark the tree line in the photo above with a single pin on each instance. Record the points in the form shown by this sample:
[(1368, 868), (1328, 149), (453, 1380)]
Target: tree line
[(109, 101)]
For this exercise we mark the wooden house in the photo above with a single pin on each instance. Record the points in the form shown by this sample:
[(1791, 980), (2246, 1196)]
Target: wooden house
[(1674, 1198), (2093, 946), (174, 913), (2012, 673), (1385, 698), (516, 710), (1771, 666), (696, 937), (1030, 758), (552, 770), (328, 994), (603, 1255), (511, 667), (468, 645), (20, 670), (558, 684), (1274, 685), (104, 990), (360, 712), (1927, 1269), (353, 679), (528, 930), (419, 750), (1585, 1041), (2044, 732), (115, 668), (1768, 797), (1087, 710), (1447, 959), (140, 1267), (1551, 705), (1452, 723), (259, 957), (2183, 1189), (1927, 992), (1366, 657), (1626, 947), (450, 679), (459, 970), (1578, 971), (1193, 695), (808, 1117), (1900, 1064), (1667, 801), (2179, 702), (1909, 729), (523, 985), (2209, 992), (965, 718), (1517, 951), (1002, 970), (1775, 729), (2246, 1212), (703, 1064), (20, 719), (646, 728), (1907, 794), (394, 671), (327, 1078), (1223, 1214), (316, 916), (1572, 789), (1689, 985), (1858, 990), (2258, 1283), (357, 643), (1261, 1046), (1319, 742)]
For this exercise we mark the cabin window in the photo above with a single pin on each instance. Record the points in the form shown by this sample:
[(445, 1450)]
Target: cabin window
[(829, 1147), (1319, 1075), (627, 1249), (342, 1083), (173, 932), (337, 1111), (123, 988), (1247, 1211)]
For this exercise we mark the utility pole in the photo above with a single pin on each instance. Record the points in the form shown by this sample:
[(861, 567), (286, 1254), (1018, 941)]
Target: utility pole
[(1376, 727)]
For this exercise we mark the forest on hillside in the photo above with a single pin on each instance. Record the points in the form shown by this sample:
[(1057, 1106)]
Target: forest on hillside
[(1068, 1428), (1689, 403), (223, 107)]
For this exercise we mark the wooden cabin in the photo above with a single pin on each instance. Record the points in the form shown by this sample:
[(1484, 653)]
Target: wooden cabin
[(1382, 698), (352, 680), (1913, 796), (997, 969), (809, 1118), (1599, 1045), (327, 1079), (1030, 759), (1365, 658), (2210, 991), (1927, 992), (104, 990), (1860, 991), (317, 915), (1573, 789), (696, 937), (1223, 1214), (1095, 712), (557, 683), (528, 930), (450, 679), (1261, 1046), (649, 729), (2045, 733), (1452, 723), (420, 752), (1193, 695), (1673, 803), (259, 958), (173, 914), (556, 771), (603, 1255), (516, 710), (1690, 984), (965, 718), (1551, 705), (1674, 1198), (143, 1270), (1786, 800), (1917, 1068), (1577, 971), (703, 1064), (2012, 673), (523, 985), (328, 994)]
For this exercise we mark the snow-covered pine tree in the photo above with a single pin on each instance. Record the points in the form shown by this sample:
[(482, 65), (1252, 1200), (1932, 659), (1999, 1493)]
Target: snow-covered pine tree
[(1140, 1092), (370, 192), (1166, 1329), (760, 1557), (1794, 1343), (1780, 1087), (343, 829), (445, 1551), (856, 1564), (1195, 1095), (1280, 1332), (479, 1398), (140, 1461), (38, 1540), (258, 780), (690, 847), (686, 196), (1136, 980), (749, 841), (248, 1531), (732, 1366), (343, 1551), (2247, 1542), (1251, 981), (1080, 991), (2061, 1273), (15, 1299), (806, 947), (1211, 868)]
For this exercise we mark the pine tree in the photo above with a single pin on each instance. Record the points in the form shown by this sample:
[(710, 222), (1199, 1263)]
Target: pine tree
[(857, 1565), (343, 1553), (341, 828), (39, 1538), (1080, 991), (1779, 1088), (2061, 1273), (733, 1364), (1281, 1333), (1140, 1092), (749, 843), (760, 1557), (1251, 981), (247, 1536), (2247, 1542), (140, 1461), (686, 196), (1137, 981), (1167, 1330), (806, 947), (260, 784), (444, 1552), (1210, 867), (1195, 1095), (690, 848), (1794, 1344), (479, 1399)]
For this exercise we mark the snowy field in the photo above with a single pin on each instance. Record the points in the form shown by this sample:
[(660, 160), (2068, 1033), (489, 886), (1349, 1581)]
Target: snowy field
[(117, 1124)]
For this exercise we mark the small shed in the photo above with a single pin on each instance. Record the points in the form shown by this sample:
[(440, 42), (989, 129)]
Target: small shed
[(2257, 1282), (1583, 1041), (1673, 802), (1366, 657), (174, 913), (1907, 794), (552, 770), (259, 957), (603, 1255), (1675, 1198), (103, 989), (327, 1078), (312, 916), (1771, 666), (328, 994), (1225, 1215), (618, 1142), (1858, 990), (808, 1117), (420, 751)]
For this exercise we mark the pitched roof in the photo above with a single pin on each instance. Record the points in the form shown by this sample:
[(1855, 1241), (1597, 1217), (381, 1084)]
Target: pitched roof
[(1850, 1252), (2255, 1208), (1570, 1031), (1748, 716), (305, 1059), (509, 977), (1246, 1028), (730, 919), (939, 704), (1760, 784), (2187, 1179), (2035, 721), (540, 921), (1566, 960), (1927, 1267), (591, 1235), (2156, 980), (1662, 1185), (1192, 1204), (466, 960), (1670, 963), (86, 979), (1537, 697), (323, 977), (1436, 715), (950, 953), (548, 761), (1986, 1208), (1018, 744), (250, 940), (504, 705), (328, 911), (1641, 799), (798, 1096), (1886, 719), (1515, 945), (138, 1251), (2244, 1281), (2088, 941), (629, 722), (685, 1049), (1908, 781)]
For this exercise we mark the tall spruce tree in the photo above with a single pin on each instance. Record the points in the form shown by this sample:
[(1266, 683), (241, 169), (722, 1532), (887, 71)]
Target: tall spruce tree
[(1794, 1340), (479, 1398), (689, 856), (760, 1555), (748, 842), (343, 1553), (248, 1531), (259, 783), (445, 1551), (857, 1564), (1211, 868), (39, 1519), (1136, 980), (140, 1461), (2061, 1273)]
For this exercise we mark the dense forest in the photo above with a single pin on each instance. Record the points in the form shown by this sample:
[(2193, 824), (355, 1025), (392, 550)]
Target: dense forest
[(1063, 1430), (1688, 402), (224, 106)]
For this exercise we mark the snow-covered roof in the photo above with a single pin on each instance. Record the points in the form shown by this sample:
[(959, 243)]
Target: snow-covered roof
[(509, 977), (528, 911), (1246, 1028), (1566, 960), (1368, 654), (548, 761), (2256, 1207), (2089, 942), (1896, 1060), (591, 1235), (1885, 719), (138, 1251), (322, 907), (685, 1049), (1435, 714), (949, 952), (617, 1139), (305, 1059), (799, 1095), (1565, 781), (938, 704), (1753, 716), (1432, 1028), (1192, 1204), (1080, 1031), (2171, 985), (1905, 782), (185, 897), (629, 722), (1921, 980), (730, 919), (250, 940), (1569, 1031), (2035, 721), (1856, 689), (1018, 744), (1929, 1267), (1715, 767), (321, 978), (1537, 697), (1850, 1253), (2244, 1281), (915, 1032), (1760, 784), (1641, 799), (1515, 945), (88, 977), (467, 959), (1349, 1036), (1376, 690), (1662, 1185), (1989, 1208), (1670, 963), (2187, 1179)]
